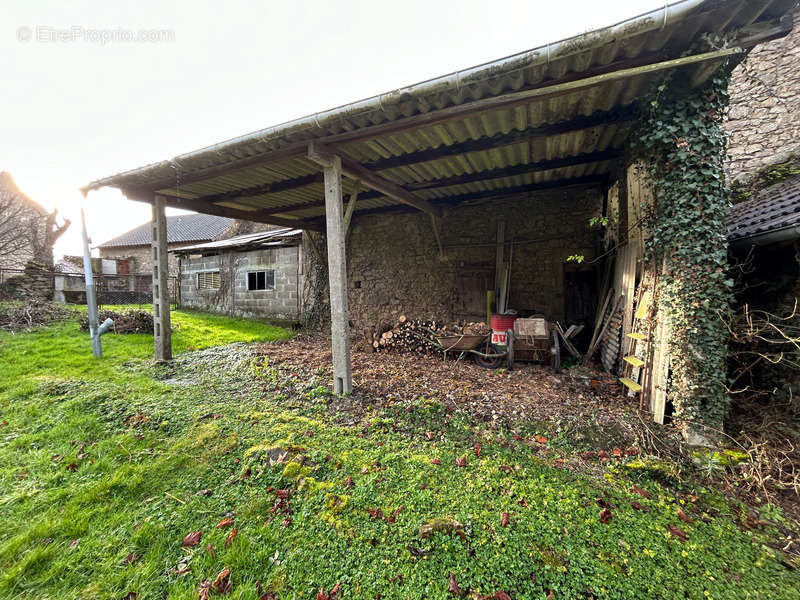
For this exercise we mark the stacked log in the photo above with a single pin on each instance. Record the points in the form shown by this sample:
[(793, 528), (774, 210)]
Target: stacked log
[(419, 335)]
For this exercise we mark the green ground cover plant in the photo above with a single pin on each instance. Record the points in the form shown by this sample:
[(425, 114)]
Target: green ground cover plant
[(108, 467)]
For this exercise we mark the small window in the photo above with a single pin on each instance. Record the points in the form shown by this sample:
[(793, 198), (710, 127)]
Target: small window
[(260, 280), (208, 280)]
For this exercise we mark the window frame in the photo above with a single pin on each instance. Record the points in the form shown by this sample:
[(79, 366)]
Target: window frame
[(211, 283), (268, 286)]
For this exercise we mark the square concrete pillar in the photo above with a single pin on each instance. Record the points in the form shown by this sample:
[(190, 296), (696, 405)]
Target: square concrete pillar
[(162, 332)]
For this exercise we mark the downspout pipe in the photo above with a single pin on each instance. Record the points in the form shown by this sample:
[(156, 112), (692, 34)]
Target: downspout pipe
[(95, 330)]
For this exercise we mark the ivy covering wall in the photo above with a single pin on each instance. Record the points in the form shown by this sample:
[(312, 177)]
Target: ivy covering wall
[(682, 139)]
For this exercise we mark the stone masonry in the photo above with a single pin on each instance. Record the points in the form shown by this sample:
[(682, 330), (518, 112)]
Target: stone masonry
[(142, 257), (764, 118), (394, 266), (233, 297)]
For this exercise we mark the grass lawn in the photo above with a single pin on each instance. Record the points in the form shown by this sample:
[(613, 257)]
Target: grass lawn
[(105, 467)]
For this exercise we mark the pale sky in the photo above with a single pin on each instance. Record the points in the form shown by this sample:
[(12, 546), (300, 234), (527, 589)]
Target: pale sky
[(76, 107)]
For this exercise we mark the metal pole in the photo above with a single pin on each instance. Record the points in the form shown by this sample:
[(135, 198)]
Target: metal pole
[(91, 299)]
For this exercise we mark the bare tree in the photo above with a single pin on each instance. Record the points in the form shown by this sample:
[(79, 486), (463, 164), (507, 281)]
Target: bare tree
[(15, 224), (25, 233)]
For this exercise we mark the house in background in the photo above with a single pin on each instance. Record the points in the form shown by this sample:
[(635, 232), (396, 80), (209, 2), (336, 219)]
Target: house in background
[(132, 252), (254, 275)]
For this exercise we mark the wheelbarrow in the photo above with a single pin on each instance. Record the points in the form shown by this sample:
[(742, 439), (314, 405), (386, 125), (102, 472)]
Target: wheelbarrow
[(479, 346)]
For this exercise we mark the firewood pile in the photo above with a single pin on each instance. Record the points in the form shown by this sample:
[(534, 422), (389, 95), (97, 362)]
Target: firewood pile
[(419, 336)]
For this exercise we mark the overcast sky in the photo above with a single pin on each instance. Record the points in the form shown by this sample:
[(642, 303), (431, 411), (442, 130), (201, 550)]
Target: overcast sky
[(78, 102)]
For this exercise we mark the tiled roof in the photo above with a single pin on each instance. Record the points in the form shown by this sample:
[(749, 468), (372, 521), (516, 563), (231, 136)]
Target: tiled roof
[(180, 229), (774, 208)]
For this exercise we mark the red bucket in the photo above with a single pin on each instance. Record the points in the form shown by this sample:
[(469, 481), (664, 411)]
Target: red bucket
[(500, 324)]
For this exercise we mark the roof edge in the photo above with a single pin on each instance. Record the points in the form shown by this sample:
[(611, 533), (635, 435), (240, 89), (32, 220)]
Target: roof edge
[(648, 21)]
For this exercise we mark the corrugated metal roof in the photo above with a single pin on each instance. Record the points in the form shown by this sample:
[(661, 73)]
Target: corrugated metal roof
[(247, 240), (180, 229), (772, 209), (517, 132)]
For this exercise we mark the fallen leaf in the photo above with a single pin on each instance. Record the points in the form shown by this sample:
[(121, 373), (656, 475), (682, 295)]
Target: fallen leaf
[(631, 452), (500, 595), (504, 517), (522, 503), (429, 435), (131, 558), (223, 584), (308, 433), (506, 469), (517, 438), (683, 516), (461, 461), (541, 440), (71, 467), (193, 538), (204, 590), (638, 506), (375, 513), (226, 522), (477, 448), (616, 452), (453, 587), (231, 536), (282, 494), (286, 522), (643, 493), (348, 482), (588, 455), (675, 532), (436, 461), (605, 515)]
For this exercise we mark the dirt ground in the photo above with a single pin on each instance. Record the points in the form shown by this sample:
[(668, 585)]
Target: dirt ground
[(529, 392)]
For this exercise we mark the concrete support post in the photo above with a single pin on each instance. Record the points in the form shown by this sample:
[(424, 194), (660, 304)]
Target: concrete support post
[(337, 274), (162, 332)]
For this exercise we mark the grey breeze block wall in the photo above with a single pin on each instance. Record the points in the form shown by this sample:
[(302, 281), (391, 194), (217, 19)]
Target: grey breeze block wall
[(764, 118), (233, 297), (394, 266)]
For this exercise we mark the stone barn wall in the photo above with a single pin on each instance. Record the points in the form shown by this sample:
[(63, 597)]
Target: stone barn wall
[(233, 297), (394, 265), (764, 118)]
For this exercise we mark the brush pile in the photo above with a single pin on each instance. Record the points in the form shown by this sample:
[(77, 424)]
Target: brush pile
[(416, 335), (129, 321), (16, 316)]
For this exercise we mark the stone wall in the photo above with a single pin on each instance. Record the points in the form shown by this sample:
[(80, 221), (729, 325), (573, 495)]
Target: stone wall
[(394, 266), (142, 257), (764, 118), (232, 297)]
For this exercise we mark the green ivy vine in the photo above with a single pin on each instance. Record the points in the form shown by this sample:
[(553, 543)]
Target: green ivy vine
[(682, 139)]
